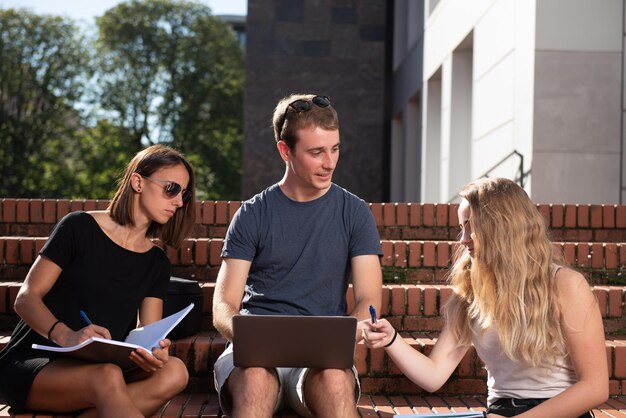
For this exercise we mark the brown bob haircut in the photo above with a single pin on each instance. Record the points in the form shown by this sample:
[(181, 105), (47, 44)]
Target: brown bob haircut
[(286, 121), (145, 163)]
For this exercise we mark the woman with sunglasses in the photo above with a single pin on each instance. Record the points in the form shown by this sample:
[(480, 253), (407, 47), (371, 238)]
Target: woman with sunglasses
[(105, 264), (533, 321)]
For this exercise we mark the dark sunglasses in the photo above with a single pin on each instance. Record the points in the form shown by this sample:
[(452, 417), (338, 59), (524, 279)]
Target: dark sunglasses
[(304, 105), (172, 189)]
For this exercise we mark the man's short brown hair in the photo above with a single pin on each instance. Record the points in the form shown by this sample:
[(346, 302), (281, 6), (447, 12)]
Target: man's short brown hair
[(287, 120)]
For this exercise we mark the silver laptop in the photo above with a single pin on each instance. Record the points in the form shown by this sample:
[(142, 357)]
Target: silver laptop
[(325, 342)]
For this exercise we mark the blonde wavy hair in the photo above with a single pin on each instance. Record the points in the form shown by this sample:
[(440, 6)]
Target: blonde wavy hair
[(510, 282)]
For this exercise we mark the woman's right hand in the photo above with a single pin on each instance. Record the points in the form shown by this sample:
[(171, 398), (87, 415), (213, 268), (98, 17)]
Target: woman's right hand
[(377, 335), (66, 337)]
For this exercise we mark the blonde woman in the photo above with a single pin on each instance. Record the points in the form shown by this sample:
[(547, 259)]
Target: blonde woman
[(533, 321)]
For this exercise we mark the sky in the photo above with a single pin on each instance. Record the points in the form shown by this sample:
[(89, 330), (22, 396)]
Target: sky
[(85, 10)]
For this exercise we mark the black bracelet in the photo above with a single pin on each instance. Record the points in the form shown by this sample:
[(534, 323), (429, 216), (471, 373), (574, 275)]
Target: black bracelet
[(393, 339), (52, 327)]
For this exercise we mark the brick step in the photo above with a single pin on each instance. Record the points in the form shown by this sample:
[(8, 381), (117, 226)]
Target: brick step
[(377, 372), (409, 307), (404, 261), (436, 221), (206, 406)]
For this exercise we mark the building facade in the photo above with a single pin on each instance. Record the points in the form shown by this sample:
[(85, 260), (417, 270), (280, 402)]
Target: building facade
[(525, 89), (326, 47), (434, 93), (238, 24)]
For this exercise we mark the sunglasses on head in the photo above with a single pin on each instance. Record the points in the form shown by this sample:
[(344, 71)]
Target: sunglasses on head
[(304, 105), (171, 189)]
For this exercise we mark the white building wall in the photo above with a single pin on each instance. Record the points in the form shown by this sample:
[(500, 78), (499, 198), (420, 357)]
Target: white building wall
[(524, 30), (431, 145), (445, 28), (577, 154), (412, 155), (444, 144), (547, 81), (397, 160), (460, 152), (503, 83), (501, 90), (406, 154), (407, 101)]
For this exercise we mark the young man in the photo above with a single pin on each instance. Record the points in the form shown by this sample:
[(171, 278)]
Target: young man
[(291, 250)]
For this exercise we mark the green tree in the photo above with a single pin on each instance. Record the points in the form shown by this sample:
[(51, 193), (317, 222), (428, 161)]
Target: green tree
[(102, 154), (44, 65), (171, 72)]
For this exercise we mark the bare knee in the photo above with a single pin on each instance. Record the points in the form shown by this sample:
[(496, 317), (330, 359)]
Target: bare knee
[(107, 380), (253, 384), (331, 382), (173, 378), (331, 392), (177, 373), (335, 378)]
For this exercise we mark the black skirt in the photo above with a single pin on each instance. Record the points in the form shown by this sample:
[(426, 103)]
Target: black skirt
[(17, 373), (508, 407)]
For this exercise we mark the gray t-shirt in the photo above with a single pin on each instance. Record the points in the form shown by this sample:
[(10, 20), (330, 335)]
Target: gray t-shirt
[(300, 251)]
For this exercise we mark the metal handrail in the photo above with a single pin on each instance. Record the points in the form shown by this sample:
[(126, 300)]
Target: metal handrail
[(518, 179)]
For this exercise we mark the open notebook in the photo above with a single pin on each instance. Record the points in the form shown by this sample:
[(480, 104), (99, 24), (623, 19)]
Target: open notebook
[(101, 350), (294, 341), (473, 414)]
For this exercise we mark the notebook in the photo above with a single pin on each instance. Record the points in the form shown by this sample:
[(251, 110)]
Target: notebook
[(444, 415), (326, 342), (100, 350)]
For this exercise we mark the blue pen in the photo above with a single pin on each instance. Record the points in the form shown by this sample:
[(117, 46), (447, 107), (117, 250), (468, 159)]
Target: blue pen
[(85, 318), (373, 314)]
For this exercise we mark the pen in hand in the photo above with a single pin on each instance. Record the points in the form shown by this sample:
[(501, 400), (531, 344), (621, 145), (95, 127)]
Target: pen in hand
[(85, 318), (99, 331), (373, 314)]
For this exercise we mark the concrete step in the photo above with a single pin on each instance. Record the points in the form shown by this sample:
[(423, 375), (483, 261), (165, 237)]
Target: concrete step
[(403, 261), (426, 221)]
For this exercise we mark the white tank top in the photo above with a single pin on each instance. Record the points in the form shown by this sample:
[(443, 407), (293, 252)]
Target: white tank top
[(518, 379)]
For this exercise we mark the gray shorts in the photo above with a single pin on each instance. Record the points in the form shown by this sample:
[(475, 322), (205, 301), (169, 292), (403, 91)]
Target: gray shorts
[(290, 388)]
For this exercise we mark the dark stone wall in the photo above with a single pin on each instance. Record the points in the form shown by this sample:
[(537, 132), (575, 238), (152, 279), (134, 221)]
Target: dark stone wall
[(331, 47)]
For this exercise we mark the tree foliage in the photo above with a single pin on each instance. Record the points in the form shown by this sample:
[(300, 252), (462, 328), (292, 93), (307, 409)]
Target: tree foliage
[(104, 151), (43, 69), (173, 73), (162, 71)]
